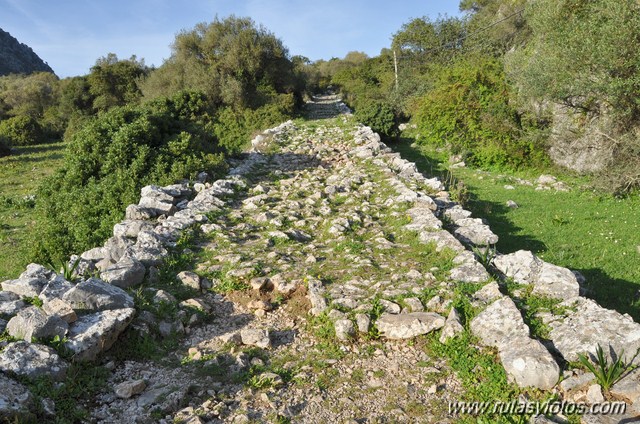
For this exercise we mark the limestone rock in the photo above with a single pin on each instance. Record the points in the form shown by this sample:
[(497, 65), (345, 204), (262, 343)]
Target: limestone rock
[(315, 292), (157, 200), (54, 289), (470, 272), (587, 325), (364, 323), (25, 287), (149, 249), (255, 337), (499, 323), (406, 326), (32, 360), (60, 308), (345, 329), (190, 279), (628, 387), (127, 272), (129, 388), (131, 228), (10, 303), (529, 363), (548, 279), (452, 326), (34, 323), (96, 295), (93, 334), (475, 232), (135, 213), (15, 400)]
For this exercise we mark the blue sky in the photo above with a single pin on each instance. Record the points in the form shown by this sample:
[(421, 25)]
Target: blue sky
[(71, 34)]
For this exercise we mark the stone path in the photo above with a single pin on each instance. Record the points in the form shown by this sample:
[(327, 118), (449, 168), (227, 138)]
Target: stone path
[(312, 269)]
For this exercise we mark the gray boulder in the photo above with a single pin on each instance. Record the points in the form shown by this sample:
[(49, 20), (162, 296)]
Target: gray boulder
[(499, 323), (149, 249), (526, 361), (33, 323), (475, 232), (96, 295), (55, 289), (548, 279), (586, 325), (529, 364), (130, 228), (127, 272), (25, 287), (15, 400), (137, 213), (345, 329), (95, 333), (315, 293), (255, 337), (406, 326), (32, 360), (157, 200), (10, 303)]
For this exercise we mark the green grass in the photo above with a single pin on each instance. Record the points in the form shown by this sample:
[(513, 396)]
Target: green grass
[(593, 233), (20, 175)]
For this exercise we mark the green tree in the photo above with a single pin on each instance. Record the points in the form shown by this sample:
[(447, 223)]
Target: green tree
[(114, 82), (234, 61), (583, 54)]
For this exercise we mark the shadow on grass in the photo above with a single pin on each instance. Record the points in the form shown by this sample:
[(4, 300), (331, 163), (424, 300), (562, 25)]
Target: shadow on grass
[(612, 293), (609, 292), (40, 148)]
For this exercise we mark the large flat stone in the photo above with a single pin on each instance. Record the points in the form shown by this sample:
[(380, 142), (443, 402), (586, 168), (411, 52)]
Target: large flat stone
[(33, 322), (127, 272), (529, 363), (95, 333), (406, 326), (587, 325), (25, 287), (33, 361), (96, 295), (548, 279), (499, 323)]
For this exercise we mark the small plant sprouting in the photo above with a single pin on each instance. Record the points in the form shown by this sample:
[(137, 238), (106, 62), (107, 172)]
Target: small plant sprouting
[(607, 374), (485, 254), (67, 269)]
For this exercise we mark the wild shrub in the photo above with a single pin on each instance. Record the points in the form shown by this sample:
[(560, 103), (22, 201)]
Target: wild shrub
[(469, 111), (233, 128), (110, 159), (22, 130), (379, 116)]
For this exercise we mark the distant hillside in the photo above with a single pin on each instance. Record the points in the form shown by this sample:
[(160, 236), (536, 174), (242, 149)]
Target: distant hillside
[(18, 58)]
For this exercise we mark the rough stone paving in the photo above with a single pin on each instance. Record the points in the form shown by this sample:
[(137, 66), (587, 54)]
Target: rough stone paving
[(319, 261)]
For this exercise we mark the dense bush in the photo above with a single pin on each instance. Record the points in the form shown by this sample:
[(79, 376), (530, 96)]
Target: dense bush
[(22, 130), (233, 128), (379, 116), (469, 111), (110, 159)]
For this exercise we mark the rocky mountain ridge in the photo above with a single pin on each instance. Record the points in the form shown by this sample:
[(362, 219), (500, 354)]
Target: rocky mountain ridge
[(18, 58)]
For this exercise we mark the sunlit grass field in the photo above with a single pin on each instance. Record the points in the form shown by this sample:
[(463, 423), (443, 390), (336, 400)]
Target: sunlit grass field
[(20, 175), (593, 233)]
